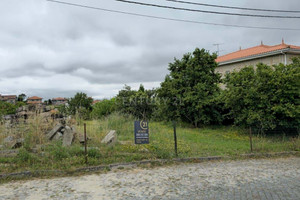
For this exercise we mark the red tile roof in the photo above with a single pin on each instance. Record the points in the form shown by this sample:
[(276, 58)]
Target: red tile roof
[(96, 101), (261, 49), (59, 99), (34, 98)]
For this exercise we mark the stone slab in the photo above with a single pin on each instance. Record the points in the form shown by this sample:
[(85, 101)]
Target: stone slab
[(68, 136), (58, 136), (56, 129), (17, 143), (110, 138)]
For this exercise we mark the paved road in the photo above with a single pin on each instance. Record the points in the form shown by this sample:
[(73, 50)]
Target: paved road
[(244, 179)]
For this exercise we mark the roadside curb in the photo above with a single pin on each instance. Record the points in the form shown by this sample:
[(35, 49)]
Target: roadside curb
[(19, 175)]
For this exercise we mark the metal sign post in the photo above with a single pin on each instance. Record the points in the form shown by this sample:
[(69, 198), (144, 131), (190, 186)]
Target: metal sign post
[(250, 137), (175, 138), (85, 145)]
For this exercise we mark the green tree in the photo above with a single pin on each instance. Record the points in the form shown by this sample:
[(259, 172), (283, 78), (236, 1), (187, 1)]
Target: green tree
[(140, 103), (266, 97), (49, 102), (21, 97), (104, 108), (63, 109), (123, 99), (143, 103), (80, 104), (189, 91)]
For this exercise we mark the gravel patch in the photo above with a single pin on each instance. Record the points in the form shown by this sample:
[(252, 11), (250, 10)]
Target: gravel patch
[(243, 179)]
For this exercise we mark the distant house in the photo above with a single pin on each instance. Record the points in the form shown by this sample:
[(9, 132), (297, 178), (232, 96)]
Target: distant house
[(8, 98), (95, 101), (34, 100), (270, 55), (59, 101)]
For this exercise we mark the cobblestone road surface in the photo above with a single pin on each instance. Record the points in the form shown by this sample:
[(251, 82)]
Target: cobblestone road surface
[(243, 179)]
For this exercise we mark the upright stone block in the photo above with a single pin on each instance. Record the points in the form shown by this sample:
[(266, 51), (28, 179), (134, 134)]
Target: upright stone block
[(68, 136)]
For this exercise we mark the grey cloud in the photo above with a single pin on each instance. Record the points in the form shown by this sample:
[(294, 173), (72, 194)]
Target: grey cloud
[(123, 39), (41, 40), (34, 69)]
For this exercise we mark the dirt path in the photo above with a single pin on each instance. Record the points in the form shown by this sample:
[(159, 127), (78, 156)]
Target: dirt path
[(244, 179)]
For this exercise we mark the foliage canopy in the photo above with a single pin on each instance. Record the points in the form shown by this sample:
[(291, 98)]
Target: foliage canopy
[(140, 103), (189, 91), (266, 97)]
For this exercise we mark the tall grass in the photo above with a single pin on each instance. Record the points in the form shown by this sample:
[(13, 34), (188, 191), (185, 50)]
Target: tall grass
[(97, 129), (207, 141), (192, 142), (33, 130)]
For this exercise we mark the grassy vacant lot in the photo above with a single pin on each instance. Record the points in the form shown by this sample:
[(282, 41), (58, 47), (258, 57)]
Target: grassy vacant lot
[(206, 141)]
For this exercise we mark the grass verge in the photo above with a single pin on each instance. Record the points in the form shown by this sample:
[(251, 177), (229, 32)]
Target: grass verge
[(201, 142)]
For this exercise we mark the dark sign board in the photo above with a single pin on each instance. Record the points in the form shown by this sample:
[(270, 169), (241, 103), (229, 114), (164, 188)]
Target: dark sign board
[(141, 132)]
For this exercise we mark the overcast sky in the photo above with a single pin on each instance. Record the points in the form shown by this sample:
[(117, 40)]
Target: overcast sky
[(50, 50)]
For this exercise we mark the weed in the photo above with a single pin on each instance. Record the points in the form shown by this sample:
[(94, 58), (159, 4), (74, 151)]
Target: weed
[(58, 152), (24, 157)]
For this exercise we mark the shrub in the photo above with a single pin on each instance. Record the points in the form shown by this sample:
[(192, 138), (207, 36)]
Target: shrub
[(57, 151), (94, 153), (104, 108), (266, 97), (140, 103), (7, 108)]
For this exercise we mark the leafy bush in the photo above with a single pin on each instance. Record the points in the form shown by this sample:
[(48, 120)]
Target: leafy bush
[(140, 103), (104, 108), (80, 104), (63, 109), (266, 97), (7, 108)]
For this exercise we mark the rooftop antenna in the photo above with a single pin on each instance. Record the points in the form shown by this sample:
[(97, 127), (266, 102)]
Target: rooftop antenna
[(218, 47)]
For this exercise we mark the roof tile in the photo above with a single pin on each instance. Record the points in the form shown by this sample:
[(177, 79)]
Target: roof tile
[(34, 98), (261, 49)]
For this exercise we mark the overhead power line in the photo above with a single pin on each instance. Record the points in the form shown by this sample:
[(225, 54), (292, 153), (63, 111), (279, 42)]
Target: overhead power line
[(208, 11), (234, 7), (173, 19)]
